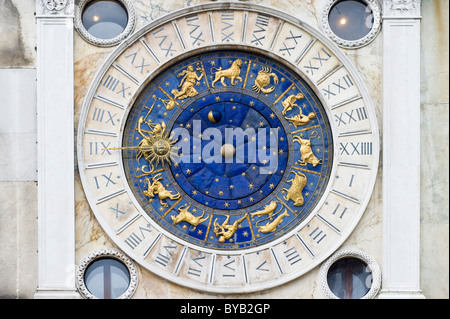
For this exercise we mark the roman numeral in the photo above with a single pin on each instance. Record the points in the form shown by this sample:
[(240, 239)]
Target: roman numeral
[(361, 148), (164, 258), (117, 211), (317, 235), (354, 115), (134, 240), (230, 266), (226, 17), (288, 46), (361, 113), (99, 116), (338, 87), (342, 213), (260, 267), (168, 46), (111, 83), (193, 34), (262, 21), (124, 90), (95, 147), (317, 61), (292, 255), (196, 272), (140, 65), (104, 181)]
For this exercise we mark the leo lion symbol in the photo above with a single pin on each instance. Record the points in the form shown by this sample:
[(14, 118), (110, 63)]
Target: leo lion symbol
[(231, 73)]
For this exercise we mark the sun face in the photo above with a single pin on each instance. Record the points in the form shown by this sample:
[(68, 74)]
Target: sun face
[(157, 149)]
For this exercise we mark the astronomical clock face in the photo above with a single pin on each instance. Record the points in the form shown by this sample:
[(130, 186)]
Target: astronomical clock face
[(228, 151)]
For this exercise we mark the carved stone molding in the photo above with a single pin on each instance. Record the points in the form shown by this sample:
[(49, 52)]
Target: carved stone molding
[(55, 8), (401, 8), (351, 253), (104, 253)]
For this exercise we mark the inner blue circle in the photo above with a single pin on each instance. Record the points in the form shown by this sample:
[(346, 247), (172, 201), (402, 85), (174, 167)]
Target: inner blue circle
[(234, 197), (254, 131)]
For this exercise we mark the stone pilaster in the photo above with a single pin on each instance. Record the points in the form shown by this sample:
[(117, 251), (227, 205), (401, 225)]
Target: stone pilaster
[(56, 206), (401, 149)]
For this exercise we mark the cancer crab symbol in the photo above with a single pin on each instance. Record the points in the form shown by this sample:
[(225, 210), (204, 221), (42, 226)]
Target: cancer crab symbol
[(263, 80)]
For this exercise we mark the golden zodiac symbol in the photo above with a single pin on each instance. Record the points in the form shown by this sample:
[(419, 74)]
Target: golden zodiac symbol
[(156, 187), (301, 119), (169, 104), (294, 193), (268, 209), (263, 79), (186, 216), (289, 102), (231, 73), (272, 226), (306, 151), (156, 130), (145, 171), (226, 231), (187, 83)]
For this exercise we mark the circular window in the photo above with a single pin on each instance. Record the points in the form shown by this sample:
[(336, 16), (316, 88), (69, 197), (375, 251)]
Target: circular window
[(105, 19), (351, 23), (351, 20), (107, 274), (350, 274), (105, 22), (349, 278), (107, 278)]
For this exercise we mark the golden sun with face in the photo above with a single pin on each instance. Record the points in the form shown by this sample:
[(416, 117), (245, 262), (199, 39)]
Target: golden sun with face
[(157, 149), (156, 146)]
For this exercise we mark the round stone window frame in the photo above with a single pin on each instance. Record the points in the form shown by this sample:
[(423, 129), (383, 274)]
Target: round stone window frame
[(356, 254), (352, 44), (78, 22), (101, 254)]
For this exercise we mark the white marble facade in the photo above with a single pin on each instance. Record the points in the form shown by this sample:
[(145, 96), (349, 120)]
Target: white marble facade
[(18, 131)]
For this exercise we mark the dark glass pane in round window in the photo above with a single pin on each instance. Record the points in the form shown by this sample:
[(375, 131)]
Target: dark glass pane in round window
[(349, 278), (107, 278), (351, 20), (105, 19)]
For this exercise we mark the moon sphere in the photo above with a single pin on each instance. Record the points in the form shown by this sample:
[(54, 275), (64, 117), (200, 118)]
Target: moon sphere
[(214, 116)]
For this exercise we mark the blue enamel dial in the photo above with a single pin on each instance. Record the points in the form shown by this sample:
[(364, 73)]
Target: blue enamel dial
[(240, 183), (227, 150)]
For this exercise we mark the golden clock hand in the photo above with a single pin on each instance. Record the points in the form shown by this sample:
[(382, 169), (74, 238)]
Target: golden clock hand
[(141, 148)]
